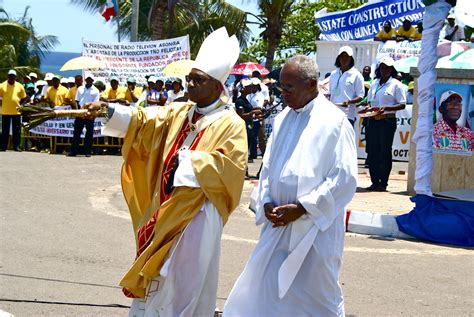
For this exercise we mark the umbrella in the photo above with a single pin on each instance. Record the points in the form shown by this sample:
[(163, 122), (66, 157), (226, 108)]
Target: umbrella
[(461, 60), (403, 65), (178, 68), (248, 68), (83, 62)]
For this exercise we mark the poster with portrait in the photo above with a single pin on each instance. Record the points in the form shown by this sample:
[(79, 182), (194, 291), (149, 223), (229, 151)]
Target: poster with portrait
[(453, 119)]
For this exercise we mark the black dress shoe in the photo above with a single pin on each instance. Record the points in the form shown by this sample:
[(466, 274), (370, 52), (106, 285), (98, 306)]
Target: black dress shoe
[(380, 188), (71, 154), (17, 149), (371, 188), (88, 155)]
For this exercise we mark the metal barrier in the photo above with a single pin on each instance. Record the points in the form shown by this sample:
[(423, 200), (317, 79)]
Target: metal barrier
[(54, 141)]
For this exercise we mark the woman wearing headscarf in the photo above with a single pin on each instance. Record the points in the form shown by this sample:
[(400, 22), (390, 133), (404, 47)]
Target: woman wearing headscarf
[(346, 84), (386, 96)]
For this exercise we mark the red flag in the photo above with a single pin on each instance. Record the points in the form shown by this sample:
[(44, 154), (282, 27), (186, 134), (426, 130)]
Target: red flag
[(109, 9)]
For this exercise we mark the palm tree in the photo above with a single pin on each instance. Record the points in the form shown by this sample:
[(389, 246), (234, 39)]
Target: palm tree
[(159, 19), (272, 18), (20, 47)]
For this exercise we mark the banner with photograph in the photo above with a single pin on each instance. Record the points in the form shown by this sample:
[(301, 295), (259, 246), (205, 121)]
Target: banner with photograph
[(364, 22), (401, 140), (136, 59), (453, 119)]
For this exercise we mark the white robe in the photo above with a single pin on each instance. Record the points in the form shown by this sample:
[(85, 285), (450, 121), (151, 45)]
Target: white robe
[(187, 284), (294, 270)]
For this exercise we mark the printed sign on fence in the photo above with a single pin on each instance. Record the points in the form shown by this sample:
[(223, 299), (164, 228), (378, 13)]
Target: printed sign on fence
[(398, 50), (401, 140), (364, 22), (136, 59), (64, 127)]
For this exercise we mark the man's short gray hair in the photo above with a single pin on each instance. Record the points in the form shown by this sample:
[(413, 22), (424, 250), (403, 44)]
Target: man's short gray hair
[(306, 65)]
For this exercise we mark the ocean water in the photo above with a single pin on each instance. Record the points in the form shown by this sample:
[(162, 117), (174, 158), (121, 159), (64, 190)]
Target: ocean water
[(53, 61)]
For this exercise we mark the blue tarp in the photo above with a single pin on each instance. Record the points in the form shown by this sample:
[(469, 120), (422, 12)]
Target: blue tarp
[(440, 220)]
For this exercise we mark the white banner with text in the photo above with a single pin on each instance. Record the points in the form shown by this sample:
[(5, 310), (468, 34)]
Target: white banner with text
[(136, 59)]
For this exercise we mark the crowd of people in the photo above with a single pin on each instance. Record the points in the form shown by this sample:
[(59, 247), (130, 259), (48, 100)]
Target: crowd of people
[(254, 97), (407, 32), (56, 91)]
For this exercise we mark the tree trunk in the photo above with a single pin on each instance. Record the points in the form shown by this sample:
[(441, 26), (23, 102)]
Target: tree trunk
[(157, 19), (172, 5), (272, 44)]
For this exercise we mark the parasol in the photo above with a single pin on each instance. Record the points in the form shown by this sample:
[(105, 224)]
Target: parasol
[(179, 68), (83, 62), (248, 68)]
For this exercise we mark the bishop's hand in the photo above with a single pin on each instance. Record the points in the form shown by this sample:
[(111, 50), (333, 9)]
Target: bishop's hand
[(93, 109)]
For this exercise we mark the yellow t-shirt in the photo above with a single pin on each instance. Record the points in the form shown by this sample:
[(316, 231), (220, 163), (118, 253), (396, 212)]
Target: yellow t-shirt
[(11, 96), (386, 36), (72, 95), (416, 36), (401, 32), (109, 93), (56, 96), (137, 92)]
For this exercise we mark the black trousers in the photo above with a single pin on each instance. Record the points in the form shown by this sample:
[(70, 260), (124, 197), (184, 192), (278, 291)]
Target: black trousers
[(16, 127), (253, 139), (379, 140), (79, 124)]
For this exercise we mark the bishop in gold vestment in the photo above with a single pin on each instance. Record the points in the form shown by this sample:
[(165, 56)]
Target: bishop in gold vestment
[(183, 173)]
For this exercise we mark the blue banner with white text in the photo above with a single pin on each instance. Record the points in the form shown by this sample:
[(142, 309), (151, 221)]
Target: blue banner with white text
[(364, 22)]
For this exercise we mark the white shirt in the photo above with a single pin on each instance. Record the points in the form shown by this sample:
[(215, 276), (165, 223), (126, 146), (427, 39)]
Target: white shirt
[(256, 100), (172, 96), (386, 95), (43, 91), (265, 92), (458, 36), (85, 95), (346, 86)]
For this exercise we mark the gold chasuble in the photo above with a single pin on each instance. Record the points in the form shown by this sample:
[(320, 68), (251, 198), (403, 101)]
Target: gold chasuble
[(218, 159)]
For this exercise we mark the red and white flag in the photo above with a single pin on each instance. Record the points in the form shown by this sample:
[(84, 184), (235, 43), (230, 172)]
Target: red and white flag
[(109, 9)]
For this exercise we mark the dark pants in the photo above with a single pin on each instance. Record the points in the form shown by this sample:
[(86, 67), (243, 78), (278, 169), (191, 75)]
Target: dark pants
[(379, 139), (78, 126), (253, 139), (16, 126)]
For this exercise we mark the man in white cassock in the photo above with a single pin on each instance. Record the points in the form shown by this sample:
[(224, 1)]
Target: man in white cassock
[(183, 173), (308, 177)]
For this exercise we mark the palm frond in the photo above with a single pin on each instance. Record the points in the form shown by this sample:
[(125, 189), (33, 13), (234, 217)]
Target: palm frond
[(90, 5)]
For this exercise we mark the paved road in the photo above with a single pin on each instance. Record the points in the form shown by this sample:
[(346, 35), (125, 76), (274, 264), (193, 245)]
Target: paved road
[(66, 240)]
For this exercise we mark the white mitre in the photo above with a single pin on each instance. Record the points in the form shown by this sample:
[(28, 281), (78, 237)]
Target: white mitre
[(218, 55)]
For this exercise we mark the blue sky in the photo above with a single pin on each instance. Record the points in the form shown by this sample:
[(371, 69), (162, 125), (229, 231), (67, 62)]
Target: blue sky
[(71, 24)]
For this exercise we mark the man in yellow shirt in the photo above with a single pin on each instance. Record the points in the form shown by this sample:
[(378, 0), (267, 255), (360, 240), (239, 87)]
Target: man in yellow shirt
[(56, 94), (71, 97), (405, 31), (133, 93), (12, 94), (387, 33), (417, 34), (114, 93)]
